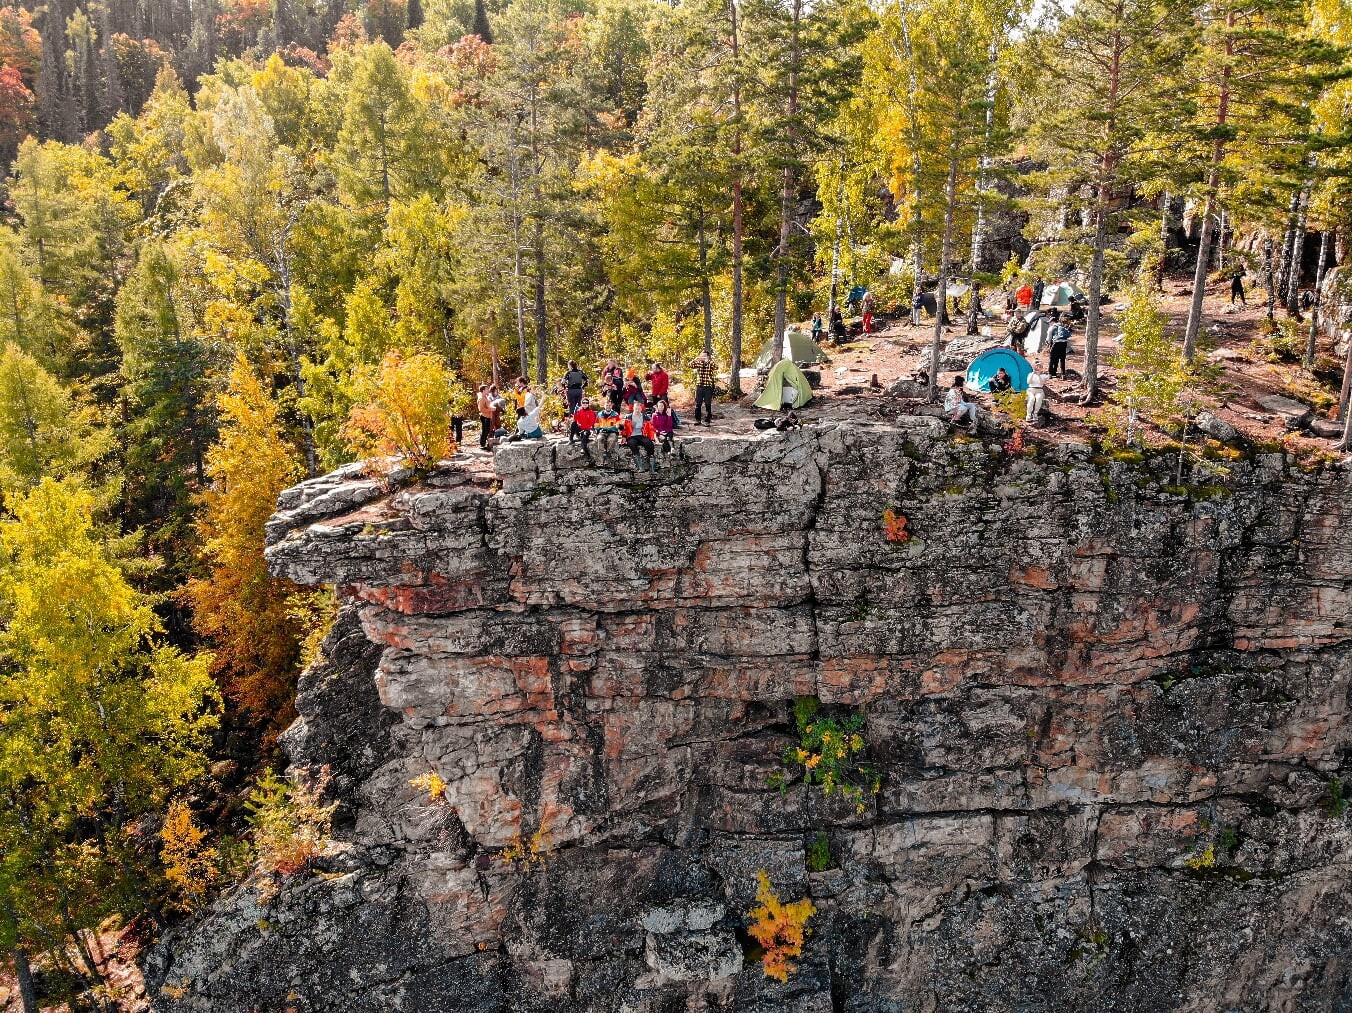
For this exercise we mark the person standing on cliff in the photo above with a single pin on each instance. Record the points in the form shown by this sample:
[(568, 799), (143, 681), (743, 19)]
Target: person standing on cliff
[(705, 378), (866, 308), (659, 382), (484, 402), (574, 384)]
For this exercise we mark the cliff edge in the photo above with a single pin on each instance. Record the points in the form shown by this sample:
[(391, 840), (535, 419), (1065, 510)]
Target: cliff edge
[(1108, 713)]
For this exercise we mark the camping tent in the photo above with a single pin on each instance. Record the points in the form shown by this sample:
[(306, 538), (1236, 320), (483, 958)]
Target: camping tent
[(1061, 294), (801, 349), (985, 366), (784, 374)]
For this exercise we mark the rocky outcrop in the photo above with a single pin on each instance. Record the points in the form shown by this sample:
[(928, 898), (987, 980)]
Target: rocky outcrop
[(1109, 715)]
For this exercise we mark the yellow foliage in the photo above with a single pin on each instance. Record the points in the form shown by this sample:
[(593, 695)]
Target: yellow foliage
[(247, 614), (191, 866), (779, 928), (290, 823), (404, 410), (432, 783), (531, 853)]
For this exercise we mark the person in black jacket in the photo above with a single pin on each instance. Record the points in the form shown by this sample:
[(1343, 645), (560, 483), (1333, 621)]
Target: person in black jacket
[(574, 383)]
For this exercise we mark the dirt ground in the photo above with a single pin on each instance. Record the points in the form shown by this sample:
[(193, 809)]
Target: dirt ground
[(1241, 367)]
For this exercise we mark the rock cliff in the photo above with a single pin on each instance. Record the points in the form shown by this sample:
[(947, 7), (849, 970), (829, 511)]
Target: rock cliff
[(1109, 715)]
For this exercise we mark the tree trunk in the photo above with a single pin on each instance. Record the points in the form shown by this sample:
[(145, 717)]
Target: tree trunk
[(28, 997), (541, 321), (832, 299), (1213, 185), (941, 289), (786, 195), (1288, 236), (705, 297), (1091, 324), (1269, 280), (1297, 254), (1164, 242), (1220, 242), (1344, 398), (738, 225), (1312, 343)]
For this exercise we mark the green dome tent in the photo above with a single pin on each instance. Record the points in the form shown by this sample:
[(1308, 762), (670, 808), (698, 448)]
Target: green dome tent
[(784, 374), (801, 348)]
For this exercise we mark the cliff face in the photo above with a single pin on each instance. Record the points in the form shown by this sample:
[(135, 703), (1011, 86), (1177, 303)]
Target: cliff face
[(1107, 716)]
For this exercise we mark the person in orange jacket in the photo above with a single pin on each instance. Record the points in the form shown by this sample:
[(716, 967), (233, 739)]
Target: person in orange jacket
[(638, 436)]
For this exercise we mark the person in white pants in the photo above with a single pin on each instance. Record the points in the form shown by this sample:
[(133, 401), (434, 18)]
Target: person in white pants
[(1037, 395)]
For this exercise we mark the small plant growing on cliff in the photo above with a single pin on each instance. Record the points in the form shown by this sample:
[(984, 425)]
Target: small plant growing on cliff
[(780, 928), (290, 823), (828, 751), (1204, 859), (432, 783), (1335, 798), (529, 852), (191, 866), (896, 527), (404, 409), (819, 854)]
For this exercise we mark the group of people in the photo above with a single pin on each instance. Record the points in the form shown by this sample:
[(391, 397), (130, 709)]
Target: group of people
[(632, 409)]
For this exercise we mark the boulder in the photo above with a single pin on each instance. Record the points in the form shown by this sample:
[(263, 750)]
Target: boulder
[(1217, 429), (1295, 414)]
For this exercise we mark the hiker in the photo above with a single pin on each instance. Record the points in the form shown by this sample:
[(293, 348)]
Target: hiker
[(1001, 381), (498, 403), (638, 436), (659, 382), (664, 425), (1038, 288), (1023, 296), (837, 326), (1237, 287), (527, 425), (1016, 331), (607, 430), (974, 311), (704, 388), (1037, 395), (574, 383), (817, 328), (958, 407), (866, 308), (633, 394), (580, 429), (612, 383), (484, 403), (1059, 336)]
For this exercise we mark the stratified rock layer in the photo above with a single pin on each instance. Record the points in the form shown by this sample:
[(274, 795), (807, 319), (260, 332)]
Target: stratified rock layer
[(1108, 715)]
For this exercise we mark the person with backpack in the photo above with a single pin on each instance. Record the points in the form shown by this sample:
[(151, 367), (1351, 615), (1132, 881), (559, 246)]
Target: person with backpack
[(1018, 330), (1059, 336), (866, 309), (1237, 287), (574, 384)]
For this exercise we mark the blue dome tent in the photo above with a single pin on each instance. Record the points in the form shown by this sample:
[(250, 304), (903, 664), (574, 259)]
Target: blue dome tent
[(987, 364)]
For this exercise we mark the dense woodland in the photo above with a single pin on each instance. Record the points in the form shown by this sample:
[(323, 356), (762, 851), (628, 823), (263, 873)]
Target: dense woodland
[(238, 231)]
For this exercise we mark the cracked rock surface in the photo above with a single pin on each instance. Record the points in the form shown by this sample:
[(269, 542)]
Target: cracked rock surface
[(1108, 713)]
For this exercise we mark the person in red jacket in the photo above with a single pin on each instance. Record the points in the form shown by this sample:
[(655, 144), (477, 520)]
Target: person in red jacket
[(584, 419), (659, 382), (1024, 296)]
